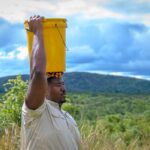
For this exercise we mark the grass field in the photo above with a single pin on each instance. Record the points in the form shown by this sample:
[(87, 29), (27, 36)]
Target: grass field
[(93, 138)]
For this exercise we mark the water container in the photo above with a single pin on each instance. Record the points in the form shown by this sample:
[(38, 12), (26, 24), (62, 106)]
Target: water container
[(54, 35)]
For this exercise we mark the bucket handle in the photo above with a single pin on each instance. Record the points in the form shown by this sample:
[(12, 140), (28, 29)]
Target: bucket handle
[(26, 25), (62, 37)]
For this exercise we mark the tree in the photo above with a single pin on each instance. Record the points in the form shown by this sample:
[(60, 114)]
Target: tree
[(11, 102)]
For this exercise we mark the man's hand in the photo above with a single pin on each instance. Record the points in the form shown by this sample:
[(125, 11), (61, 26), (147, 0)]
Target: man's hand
[(35, 23)]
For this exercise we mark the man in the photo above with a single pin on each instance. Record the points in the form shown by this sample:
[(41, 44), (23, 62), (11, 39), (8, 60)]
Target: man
[(45, 126)]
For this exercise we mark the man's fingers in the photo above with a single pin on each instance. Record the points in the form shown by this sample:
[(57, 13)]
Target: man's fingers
[(41, 18), (34, 16), (35, 23), (30, 18)]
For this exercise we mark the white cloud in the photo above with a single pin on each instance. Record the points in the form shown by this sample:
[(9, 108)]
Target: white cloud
[(117, 73), (121, 74), (97, 12), (125, 74), (83, 50), (20, 53), (143, 1), (145, 19), (80, 54), (18, 11), (9, 55), (15, 10)]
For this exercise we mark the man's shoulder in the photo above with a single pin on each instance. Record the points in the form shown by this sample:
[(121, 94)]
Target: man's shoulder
[(68, 115)]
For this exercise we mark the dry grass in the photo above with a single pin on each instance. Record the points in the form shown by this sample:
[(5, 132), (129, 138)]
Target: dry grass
[(98, 138), (93, 138), (10, 139)]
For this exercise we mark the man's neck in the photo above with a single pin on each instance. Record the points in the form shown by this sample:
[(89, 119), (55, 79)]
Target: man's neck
[(60, 104)]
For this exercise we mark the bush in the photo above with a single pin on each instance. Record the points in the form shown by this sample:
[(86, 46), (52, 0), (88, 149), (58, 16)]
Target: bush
[(11, 102)]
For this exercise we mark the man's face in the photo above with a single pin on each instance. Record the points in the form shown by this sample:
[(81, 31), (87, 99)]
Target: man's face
[(57, 91)]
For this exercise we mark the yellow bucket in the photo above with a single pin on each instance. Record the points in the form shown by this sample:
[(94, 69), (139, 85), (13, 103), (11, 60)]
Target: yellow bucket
[(54, 35)]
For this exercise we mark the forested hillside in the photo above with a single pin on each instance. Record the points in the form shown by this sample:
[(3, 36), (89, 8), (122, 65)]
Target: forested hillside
[(95, 83)]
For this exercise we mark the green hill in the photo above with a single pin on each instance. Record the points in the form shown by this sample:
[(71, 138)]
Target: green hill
[(96, 83)]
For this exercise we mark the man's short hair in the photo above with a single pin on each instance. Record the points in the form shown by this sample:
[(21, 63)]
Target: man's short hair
[(53, 75)]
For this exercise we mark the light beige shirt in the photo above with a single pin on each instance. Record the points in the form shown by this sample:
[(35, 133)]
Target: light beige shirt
[(48, 128)]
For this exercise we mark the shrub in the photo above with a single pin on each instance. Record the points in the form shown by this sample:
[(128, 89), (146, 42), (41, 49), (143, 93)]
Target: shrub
[(11, 102)]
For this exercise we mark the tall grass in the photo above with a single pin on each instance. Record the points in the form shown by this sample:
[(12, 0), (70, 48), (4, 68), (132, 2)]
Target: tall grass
[(94, 137), (10, 138), (98, 138)]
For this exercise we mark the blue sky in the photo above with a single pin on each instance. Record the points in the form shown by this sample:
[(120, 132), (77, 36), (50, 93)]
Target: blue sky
[(103, 36)]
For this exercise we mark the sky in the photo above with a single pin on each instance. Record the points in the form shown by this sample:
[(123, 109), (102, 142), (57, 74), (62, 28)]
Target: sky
[(103, 36)]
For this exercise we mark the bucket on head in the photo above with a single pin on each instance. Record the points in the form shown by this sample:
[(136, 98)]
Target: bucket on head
[(54, 36)]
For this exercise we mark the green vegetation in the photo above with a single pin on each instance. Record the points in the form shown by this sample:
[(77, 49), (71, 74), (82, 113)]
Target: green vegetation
[(96, 83), (106, 121), (122, 116), (11, 102)]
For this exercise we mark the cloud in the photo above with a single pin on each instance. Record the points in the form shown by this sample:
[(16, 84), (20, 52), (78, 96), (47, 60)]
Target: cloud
[(111, 47), (14, 61), (97, 9), (20, 53), (13, 52), (9, 55), (80, 55), (132, 6), (13, 67), (102, 35), (11, 34)]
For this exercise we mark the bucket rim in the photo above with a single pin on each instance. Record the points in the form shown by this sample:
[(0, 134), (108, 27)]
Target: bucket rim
[(50, 19)]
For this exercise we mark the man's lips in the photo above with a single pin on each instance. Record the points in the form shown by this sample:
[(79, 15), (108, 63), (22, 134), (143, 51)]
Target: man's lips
[(64, 95)]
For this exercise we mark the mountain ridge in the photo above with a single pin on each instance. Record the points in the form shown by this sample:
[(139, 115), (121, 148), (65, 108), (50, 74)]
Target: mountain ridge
[(96, 83)]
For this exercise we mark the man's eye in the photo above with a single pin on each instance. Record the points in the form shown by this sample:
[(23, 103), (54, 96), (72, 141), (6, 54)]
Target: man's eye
[(58, 84)]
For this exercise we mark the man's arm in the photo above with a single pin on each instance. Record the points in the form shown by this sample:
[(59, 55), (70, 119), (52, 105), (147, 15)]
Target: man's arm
[(37, 85)]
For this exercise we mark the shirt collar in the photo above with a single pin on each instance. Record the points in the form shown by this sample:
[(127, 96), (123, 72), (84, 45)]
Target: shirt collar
[(54, 104)]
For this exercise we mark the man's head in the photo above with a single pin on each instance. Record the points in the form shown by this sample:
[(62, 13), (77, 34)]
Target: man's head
[(56, 90)]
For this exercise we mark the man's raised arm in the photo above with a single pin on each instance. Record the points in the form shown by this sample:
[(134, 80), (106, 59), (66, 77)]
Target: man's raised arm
[(38, 84)]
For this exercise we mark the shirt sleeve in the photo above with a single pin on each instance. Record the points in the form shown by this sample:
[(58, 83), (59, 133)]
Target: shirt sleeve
[(29, 115)]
